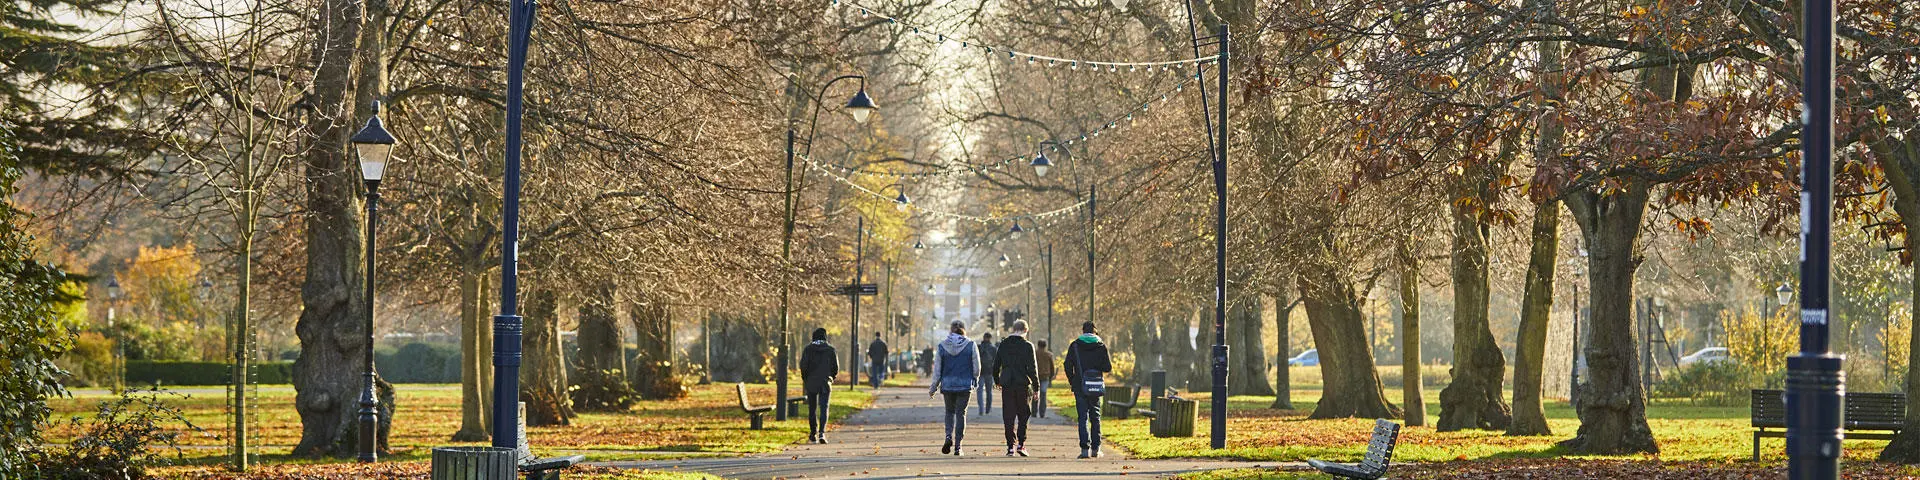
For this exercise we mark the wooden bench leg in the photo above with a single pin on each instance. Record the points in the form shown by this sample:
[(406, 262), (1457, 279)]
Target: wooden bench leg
[(759, 423)]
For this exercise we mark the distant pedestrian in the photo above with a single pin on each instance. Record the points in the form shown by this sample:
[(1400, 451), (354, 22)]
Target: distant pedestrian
[(818, 366), (988, 353), (1087, 366), (1014, 367), (1044, 359), (956, 369), (925, 361), (877, 360)]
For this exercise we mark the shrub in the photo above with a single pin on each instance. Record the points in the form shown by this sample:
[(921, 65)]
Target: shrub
[(117, 442), (31, 336), (1760, 344), (419, 362), (205, 373), (90, 362), (1718, 383)]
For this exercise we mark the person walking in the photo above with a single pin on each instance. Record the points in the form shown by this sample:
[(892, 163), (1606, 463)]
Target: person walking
[(1044, 359), (818, 366), (1087, 365), (956, 368), (877, 361), (988, 353), (925, 362), (1014, 367)]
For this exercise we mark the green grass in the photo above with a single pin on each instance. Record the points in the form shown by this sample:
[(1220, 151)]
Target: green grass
[(1684, 433)]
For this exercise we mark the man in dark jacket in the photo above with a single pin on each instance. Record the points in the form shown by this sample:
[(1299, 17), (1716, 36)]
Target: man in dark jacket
[(877, 361), (1087, 355), (1019, 377), (988, 353), (818, 366)]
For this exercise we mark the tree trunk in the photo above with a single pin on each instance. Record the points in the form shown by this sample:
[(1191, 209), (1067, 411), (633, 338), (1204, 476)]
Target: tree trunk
[(652, 369), (543, 377), (602, 385), (330, 326), (1613, 409), (1176, 347), (1473, 398), (1141, 345), (1905, 162), (1248, 357), (1411, 396), (1351, 386), (1282, 378), (1536, 308), (1201, 358), (473, 365)]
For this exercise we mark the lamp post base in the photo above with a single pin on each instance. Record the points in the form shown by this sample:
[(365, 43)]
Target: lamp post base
[(1815, 401), (369, 424)]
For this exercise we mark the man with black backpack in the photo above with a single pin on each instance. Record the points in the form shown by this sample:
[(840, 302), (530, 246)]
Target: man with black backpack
[(988, 353), (1087, 366), (1019, 378)]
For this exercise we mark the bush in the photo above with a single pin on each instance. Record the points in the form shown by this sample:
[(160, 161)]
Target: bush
[(1761, 344), (116, 443), (90, 362), (419, 362), (205, 373), (1718, 384), (31, 336)]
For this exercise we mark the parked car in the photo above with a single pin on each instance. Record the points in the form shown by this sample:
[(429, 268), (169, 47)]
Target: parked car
[(1707, 356), (1309, 358)]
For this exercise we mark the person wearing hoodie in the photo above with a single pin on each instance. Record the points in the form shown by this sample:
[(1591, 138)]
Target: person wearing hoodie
[(818, 366), (956, 368), (1019, 377), (1044, 359), (988, 353), (1087, 360)]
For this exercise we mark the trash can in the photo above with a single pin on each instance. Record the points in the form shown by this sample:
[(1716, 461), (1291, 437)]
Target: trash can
[(473, 463)]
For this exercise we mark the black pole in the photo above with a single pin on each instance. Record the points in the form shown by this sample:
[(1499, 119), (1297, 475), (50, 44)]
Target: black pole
[(1220, 258), (853, 297), (1573, 352), (786, 289), (1816, 384), (1093, 197), (369, 404), (507, 325), (1050, 341)]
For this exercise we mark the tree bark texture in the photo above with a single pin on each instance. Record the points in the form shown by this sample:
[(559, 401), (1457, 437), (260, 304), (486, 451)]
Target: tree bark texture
[(476, 360), (1282, 377), (602, 384), (1473, 399), (1411, 397), (543, 374), (1536, 308), (1176, 349), (1613, 409), (1905, 156), (330, 326), (1141, 345), (1351, 386), (1248, 359), (652, 368)]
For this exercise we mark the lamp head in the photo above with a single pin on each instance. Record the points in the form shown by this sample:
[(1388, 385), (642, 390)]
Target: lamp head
[(374, 145), (860, 106), (1015, 232), (1041, 164), (902, 203), (1004, 260), (1784, 294), (113, 288), (1120, 4)]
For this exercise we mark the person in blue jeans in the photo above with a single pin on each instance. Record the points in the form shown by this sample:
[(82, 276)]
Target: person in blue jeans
[(956, 369), (989, 352), (1087, 361), (818, 366)]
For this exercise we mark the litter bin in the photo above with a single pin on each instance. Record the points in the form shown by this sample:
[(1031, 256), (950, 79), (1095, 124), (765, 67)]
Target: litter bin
[(473, 463)]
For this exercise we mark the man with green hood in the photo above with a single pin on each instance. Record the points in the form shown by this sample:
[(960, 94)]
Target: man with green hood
[(1087, 365)]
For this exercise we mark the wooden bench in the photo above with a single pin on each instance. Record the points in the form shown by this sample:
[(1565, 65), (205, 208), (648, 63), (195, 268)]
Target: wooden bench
[(1379, 455), (1884, 413), (1121, 410), (1157, 404), (758, 413), (549, 468)]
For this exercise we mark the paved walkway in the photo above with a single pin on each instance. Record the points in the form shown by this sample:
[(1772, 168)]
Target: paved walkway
[(899, 437)]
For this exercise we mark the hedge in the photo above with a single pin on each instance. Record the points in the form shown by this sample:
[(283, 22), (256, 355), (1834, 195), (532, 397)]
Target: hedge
[(145, 372)]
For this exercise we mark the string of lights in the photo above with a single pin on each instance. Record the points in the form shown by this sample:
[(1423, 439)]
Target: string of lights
[(981, 219), (1032, 59)]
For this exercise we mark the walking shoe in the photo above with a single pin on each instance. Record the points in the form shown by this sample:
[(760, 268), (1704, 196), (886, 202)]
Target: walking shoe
[(1009, 451), (1022, 450), (946, 448), (1096, 452), (823, 439), (957, 452), (1085, 453)]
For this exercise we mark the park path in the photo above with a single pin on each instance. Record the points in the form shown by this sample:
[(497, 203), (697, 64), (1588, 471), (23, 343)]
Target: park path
[(900, 435)]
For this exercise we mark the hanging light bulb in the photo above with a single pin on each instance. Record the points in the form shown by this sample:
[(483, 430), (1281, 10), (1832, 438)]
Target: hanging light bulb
[(1015, 232), (1040, 166)]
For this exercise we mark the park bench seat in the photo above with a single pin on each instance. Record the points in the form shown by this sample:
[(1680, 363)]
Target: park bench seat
[(1379, 455), (1122, 409), (549, 468), (1879, 416), (758, 414)]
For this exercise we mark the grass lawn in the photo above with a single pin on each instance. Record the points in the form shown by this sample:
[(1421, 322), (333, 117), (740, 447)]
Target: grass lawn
[(1685, 434), (707, 422)]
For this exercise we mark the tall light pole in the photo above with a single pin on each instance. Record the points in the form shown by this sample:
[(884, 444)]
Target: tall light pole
[(853, 298), (1573, 351), (1816, 383), (374, 145), (858, 107), (119, 342), (508, 326)]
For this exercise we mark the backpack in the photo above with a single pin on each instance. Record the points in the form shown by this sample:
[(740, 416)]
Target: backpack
[(1093, 383)]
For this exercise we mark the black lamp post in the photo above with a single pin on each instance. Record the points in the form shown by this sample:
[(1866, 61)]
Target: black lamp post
[(508, 326), (374, 144), (1573, 352), (119, 343), (1816, 383), (859, 107)]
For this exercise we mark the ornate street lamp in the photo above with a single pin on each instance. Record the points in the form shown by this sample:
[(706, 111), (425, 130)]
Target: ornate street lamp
[(1041, 164), (374, 145), (1014, 233), (859, 107), (902, 203), (1004, 260)]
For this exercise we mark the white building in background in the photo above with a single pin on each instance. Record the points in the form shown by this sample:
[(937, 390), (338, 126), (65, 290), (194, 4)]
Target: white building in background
[(958, 293)]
